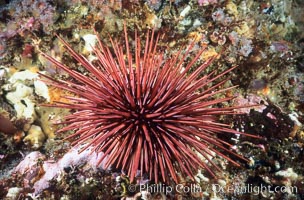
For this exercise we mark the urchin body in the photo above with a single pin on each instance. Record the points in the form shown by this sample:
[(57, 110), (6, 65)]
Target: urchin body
[(146, 112)]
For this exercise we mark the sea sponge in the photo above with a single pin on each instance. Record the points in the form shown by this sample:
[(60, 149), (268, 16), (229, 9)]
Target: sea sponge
[(35, 137)]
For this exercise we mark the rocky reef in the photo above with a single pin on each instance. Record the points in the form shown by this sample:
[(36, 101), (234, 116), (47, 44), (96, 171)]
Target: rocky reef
[(264, 39)]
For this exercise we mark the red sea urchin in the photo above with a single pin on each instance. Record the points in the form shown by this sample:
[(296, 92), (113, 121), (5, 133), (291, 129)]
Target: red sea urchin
[(144, 112)]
